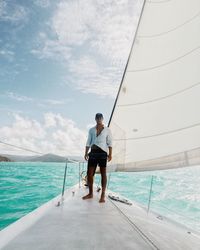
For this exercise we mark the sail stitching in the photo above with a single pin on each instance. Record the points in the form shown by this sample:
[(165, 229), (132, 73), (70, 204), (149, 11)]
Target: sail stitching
[(171, 30), (159, 134), (169, 155), (163, 1), (160, 98), (167, 63)]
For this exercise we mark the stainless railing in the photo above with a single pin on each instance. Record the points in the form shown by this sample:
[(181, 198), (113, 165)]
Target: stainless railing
[(150, 194), (80, 163), (154, 196)]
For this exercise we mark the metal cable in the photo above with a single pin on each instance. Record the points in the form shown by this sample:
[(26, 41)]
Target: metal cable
[(135, 227), (26, 149)]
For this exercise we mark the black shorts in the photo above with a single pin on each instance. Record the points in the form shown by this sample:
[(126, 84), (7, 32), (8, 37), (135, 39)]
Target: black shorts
[(97, 157)]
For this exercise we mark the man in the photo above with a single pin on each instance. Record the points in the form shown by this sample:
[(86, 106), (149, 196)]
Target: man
[(100, 141)]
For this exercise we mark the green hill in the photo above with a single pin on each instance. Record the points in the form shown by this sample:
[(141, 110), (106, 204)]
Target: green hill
[(3, 158)]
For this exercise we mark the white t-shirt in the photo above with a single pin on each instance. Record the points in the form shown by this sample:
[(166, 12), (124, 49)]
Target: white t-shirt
[(103, 140)]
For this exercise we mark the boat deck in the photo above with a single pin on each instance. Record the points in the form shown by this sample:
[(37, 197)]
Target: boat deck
[(88, 224)]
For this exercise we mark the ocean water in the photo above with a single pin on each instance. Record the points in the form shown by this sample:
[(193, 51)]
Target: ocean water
[(26, 186)]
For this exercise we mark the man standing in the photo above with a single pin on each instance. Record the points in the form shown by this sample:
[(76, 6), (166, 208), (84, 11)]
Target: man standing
[(100, 141)]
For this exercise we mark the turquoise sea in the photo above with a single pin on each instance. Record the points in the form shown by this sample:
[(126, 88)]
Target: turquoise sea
[(27, 185)]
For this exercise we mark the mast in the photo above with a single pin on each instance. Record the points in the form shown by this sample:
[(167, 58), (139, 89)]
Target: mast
[(120, 86)]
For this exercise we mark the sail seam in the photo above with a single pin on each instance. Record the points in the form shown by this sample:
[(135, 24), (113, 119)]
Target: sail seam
[(161, 98), (160, 134), (167, 156), (163, 1), (167, 63), (171, 30)]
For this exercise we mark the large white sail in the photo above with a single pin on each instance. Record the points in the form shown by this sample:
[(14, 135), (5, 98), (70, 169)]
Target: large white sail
[(156, 117)]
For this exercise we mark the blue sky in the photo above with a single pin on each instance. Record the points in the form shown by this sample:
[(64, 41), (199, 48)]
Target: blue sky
[(60, 63)]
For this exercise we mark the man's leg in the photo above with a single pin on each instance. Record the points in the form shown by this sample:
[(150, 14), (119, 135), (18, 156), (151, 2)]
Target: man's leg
[(90, 174), (103, 183)]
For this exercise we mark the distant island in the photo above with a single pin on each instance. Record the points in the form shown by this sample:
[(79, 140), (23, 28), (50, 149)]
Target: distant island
[(3, 158), (42, 158)]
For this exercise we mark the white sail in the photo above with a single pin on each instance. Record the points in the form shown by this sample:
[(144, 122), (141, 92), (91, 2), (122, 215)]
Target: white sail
[(156, 117)]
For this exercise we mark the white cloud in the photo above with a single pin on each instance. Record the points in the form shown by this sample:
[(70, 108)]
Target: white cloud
[(49, 120), (12, 12), (17, 97), (42, 3), (93, 39), (10, 111), (2, 7), (23, 128), (115, 23), (7, 54), (41, 103), (51, 49), (89, 77), (55, 134), (56, 102), (71, 21), (106, 26)]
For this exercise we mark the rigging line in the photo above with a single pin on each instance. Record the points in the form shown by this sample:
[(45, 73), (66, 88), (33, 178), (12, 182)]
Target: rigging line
[(5, 143), (122, 80), (135, 227), (160, 98), (167, 63), (159, 134), (171, 30)]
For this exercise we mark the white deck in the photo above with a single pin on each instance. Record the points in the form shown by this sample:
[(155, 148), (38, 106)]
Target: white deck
[(87, 224)]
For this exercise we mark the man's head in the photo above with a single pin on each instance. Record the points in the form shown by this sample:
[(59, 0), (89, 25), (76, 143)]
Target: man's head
[(99, 118)]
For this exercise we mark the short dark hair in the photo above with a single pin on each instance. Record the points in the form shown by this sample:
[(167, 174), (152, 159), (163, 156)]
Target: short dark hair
[(98, 115)]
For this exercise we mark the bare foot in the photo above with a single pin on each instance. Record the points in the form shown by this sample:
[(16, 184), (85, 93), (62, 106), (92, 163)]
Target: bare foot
[(88, 196), (102, 199)]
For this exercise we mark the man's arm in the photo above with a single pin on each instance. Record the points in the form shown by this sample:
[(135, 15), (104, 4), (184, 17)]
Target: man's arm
[(110, 154), (86, 153), (109, 143), (88, 144)]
